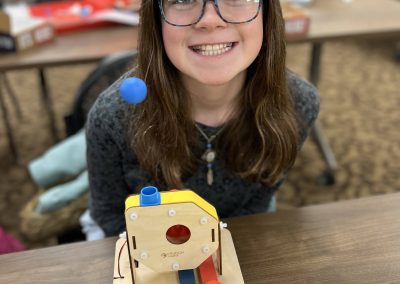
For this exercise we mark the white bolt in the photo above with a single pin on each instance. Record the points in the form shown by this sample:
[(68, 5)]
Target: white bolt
[(144, 255), (205, 249), (203, 220), (171, 212), (133, 216), (175, 266), (222, 225)]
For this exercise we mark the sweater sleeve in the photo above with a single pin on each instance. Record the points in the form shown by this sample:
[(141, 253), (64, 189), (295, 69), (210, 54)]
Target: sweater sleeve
[(108, 187), (306, 103)]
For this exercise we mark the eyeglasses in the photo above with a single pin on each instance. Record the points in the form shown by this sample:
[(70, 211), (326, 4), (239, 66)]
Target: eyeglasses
[(183, 13)]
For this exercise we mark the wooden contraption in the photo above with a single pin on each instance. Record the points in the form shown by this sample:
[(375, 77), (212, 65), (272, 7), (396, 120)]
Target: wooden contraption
[(174, 237)]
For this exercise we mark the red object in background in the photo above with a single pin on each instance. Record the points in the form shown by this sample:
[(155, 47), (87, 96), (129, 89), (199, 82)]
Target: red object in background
[(8, 243), (75, 15)]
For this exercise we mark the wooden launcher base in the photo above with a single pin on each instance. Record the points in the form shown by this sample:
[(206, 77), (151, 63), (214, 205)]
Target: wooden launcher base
[(231, 273)]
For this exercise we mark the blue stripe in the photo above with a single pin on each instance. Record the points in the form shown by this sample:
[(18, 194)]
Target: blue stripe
[(186, 276)]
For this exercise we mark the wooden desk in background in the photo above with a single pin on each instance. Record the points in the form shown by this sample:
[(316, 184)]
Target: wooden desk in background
[(340, 19), (356, 241), (72, 48)]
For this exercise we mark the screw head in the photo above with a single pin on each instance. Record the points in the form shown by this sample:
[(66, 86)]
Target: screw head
[(205, 249), (144, 255), (133, 216), (171, 212), (175, 266), (203, 220)]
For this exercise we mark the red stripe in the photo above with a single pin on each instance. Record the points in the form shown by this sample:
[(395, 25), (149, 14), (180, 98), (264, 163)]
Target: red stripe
[(207, 272)]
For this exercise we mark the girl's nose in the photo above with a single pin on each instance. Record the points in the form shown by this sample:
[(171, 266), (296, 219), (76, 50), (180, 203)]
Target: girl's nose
[(210, 18)]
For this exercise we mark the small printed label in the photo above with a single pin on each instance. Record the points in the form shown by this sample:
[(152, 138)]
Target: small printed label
[(172, 254), (296, 26), (43, 34)]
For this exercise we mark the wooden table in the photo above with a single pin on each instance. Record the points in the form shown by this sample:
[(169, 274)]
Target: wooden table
[(72, 48), (355, 241), (340, 19)]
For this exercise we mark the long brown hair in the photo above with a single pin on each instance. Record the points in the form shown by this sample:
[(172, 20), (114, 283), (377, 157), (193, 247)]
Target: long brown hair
[(259, 143)]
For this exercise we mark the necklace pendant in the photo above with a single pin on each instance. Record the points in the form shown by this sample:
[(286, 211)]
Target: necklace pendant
[(209, 156), (210, 176)]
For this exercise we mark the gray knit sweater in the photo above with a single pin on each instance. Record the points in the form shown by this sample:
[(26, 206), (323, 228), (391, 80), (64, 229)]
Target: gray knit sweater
[(114, 172)]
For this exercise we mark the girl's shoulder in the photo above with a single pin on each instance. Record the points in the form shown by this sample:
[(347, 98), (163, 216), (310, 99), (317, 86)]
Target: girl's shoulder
[(305, 97), (109, 109)]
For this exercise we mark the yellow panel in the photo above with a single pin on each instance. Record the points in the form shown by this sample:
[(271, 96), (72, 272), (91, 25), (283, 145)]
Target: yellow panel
[(180, 196), (132, 201)]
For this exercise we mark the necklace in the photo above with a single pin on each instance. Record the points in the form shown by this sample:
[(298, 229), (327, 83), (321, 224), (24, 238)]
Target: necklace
[(209, 154)]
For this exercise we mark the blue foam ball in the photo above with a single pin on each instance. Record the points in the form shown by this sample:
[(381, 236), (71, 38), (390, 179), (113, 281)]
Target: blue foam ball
[(133, 90)]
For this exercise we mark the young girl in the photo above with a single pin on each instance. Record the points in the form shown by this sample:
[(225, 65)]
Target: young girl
[(222, 117)]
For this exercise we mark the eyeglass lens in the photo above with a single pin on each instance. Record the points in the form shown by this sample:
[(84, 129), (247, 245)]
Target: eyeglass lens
[(187, 12)]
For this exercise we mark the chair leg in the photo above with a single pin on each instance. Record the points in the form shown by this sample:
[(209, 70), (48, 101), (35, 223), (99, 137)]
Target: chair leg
[(11, 93), (9, 132), (328, 176), (48, 104), (397, 52)]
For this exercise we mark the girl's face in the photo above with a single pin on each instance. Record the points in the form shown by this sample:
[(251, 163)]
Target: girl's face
[(212, 51)]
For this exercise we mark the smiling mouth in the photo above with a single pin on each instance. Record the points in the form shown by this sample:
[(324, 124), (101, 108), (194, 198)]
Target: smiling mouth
[(212, 49)]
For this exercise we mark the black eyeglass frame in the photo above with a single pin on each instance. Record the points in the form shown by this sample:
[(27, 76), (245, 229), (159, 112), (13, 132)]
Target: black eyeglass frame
[(160, 5)]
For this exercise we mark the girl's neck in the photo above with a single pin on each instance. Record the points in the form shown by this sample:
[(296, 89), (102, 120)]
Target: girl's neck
[(213, 105)]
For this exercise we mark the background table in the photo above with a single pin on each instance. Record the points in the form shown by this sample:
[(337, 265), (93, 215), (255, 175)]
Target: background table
[(355, 241), (340, 19), (71, 48)]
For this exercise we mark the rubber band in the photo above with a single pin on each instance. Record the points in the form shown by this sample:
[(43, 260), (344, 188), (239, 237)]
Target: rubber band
[(207, 272), (186, 276)]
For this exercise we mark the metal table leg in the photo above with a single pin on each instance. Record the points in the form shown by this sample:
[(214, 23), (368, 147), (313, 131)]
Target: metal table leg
[(10, 91), (397, 52), (328, 177), (48, 104), (9, 133)]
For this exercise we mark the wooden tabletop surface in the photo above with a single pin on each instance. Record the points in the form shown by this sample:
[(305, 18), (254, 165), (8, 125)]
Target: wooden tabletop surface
[(334, 19), (330, 19), (75, 47), (356, 241)]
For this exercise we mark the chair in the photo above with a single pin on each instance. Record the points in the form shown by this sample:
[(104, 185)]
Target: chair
[(103, 76), (106, 73)]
